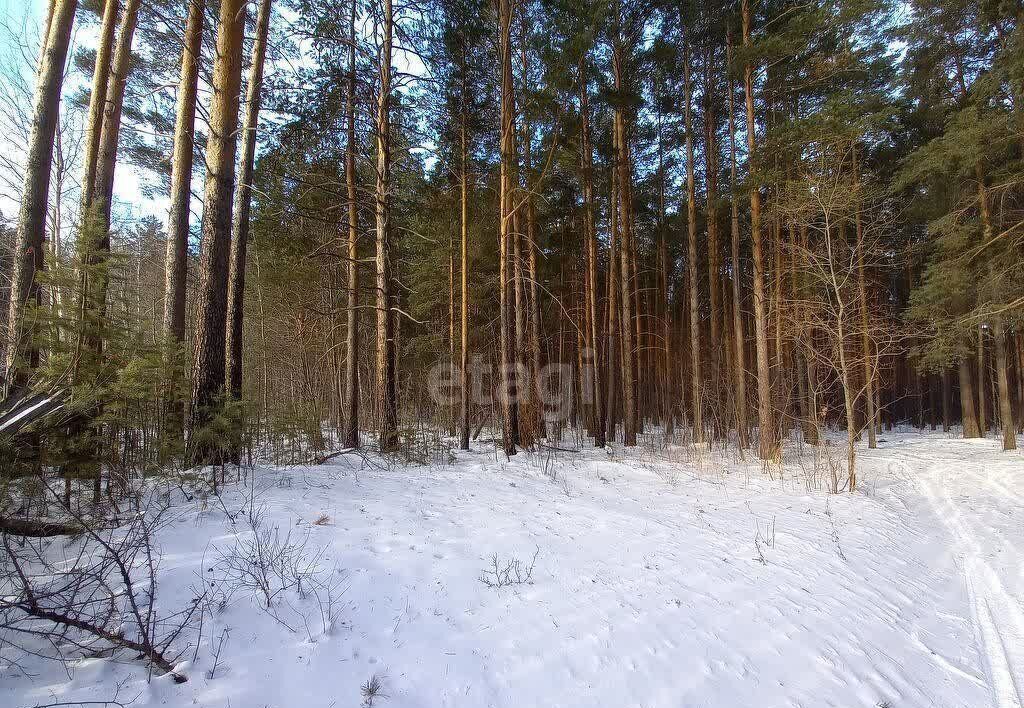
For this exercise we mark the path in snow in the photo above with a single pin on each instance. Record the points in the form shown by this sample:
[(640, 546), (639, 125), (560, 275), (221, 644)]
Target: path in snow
[(976, 498)]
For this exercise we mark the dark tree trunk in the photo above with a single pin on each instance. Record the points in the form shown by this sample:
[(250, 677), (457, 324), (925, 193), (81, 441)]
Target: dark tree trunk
[(970, 419), (1003, 380)]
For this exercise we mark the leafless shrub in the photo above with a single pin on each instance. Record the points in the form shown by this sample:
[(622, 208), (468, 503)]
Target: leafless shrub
[(91, 594), (372, 690), (265, 562), (322, 520), (268, 564), (503, 574)]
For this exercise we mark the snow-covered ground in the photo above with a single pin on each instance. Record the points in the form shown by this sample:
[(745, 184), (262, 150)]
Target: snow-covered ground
[(659, 578)]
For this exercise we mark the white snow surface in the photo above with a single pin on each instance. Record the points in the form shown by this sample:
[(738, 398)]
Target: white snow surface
[(662, 578)]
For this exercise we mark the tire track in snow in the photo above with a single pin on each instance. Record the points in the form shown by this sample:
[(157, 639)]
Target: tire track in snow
[(998, 616)]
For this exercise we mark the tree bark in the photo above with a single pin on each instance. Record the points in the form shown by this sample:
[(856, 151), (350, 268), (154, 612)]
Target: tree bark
[(768, 445), (714, 263), (242, 215), (946, 390), (739, 360), (613, 355), (624, 169), (696, 402), (668, 392), (464, 268), (176, 261), (590, 234), (1003, 379), (209, 379), (970, 419), (506, 232), (982, 384), (350, 433), (387, 360), (22, 356), (532, 245)]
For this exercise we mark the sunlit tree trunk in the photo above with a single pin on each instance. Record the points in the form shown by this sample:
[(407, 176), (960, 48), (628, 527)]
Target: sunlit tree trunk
[(667, 387), (350, 411), (209, 379), (624, 169), (739, 336), (768, 445), (532, 245), (176, 262), (1003, 382), (590, 234), (970, 419), (613, 356), (714, 263), (696, 403), (387, 359), (464, 269), (242, 214)]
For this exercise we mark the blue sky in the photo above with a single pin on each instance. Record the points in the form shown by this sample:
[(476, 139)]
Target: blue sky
[(28, 14)]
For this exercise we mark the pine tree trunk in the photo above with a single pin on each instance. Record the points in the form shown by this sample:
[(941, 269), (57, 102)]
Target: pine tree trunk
[(1003, 379), (1019, 346), (209, 379), (176, 262), (22, 355), (506, 232), (739, 360), (623, 168), (451, 327), (350, 412), (768, 446), (387, 360), (532, 245), (612, 357), (527, 418), (714, 264), (982, 384), (464, 271), (242, 214), (970, 420), (667, 397), (590, 234), (696, 404), (946, 392)]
